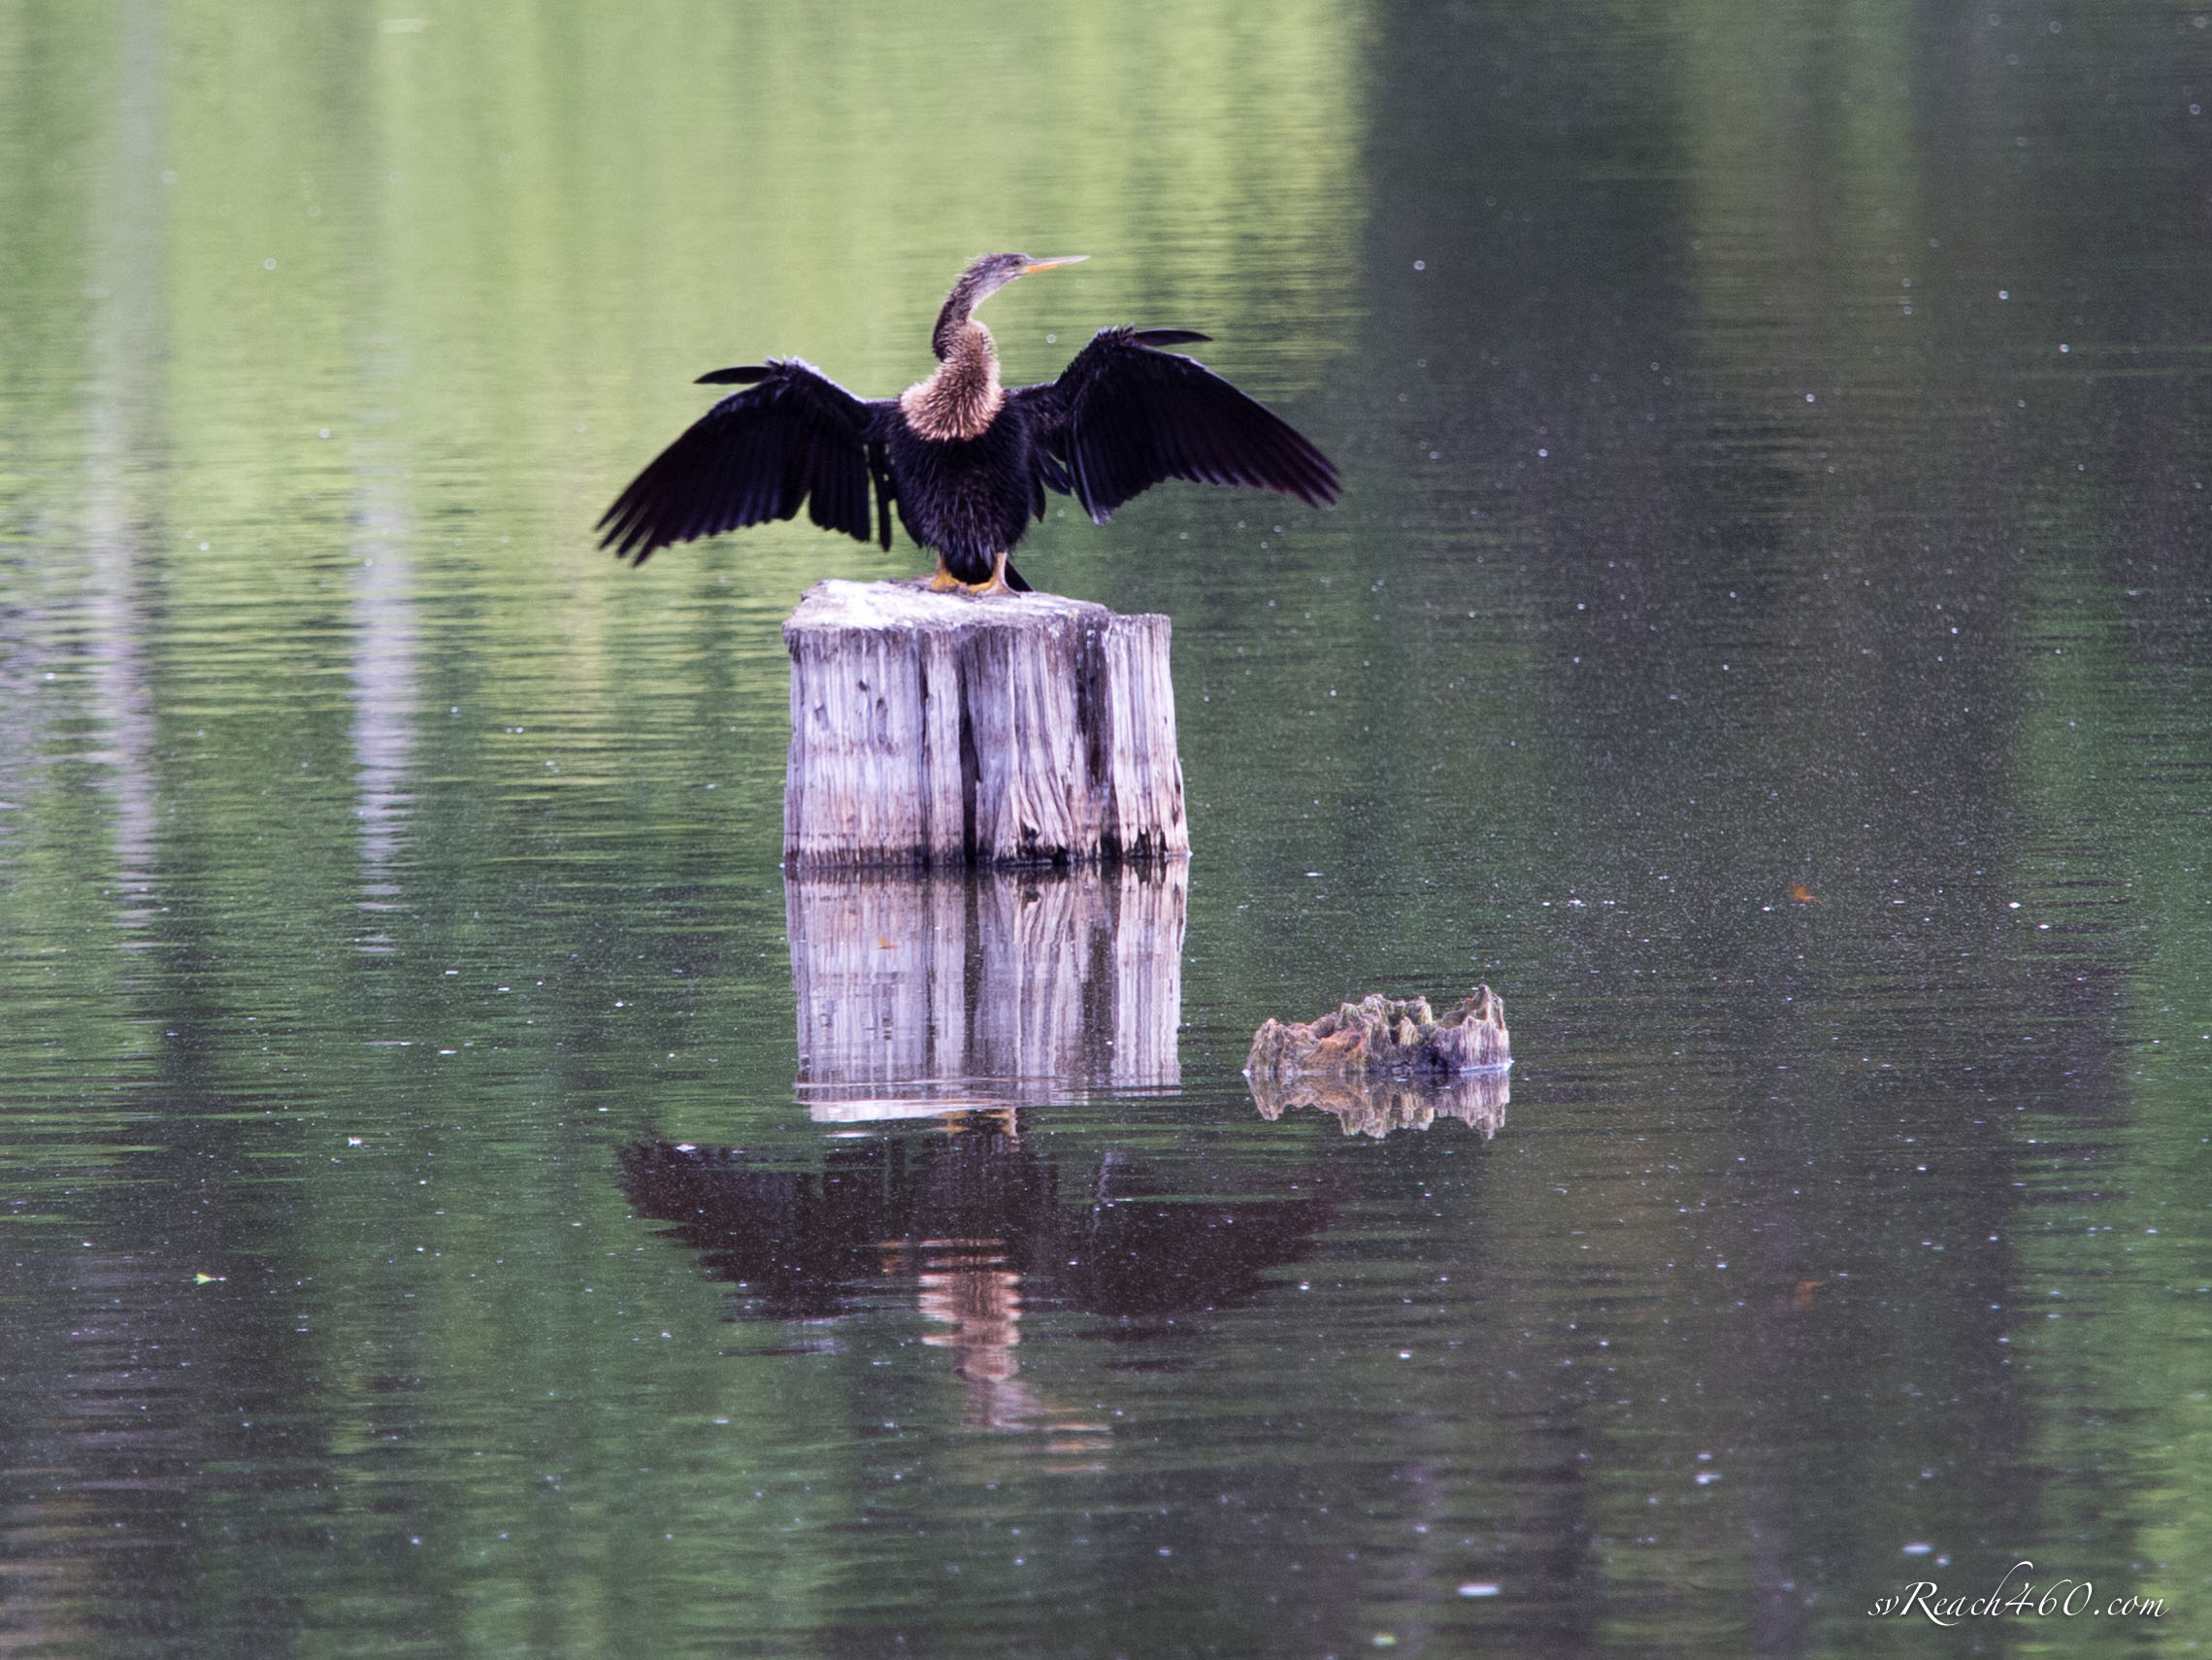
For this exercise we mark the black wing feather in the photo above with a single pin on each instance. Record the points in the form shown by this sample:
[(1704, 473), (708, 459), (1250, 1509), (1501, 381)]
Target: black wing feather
[(1125, 415), (879, 468), (793, 435)]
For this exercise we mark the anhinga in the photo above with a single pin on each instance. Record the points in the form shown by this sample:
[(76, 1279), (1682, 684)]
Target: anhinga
[(967, 460)]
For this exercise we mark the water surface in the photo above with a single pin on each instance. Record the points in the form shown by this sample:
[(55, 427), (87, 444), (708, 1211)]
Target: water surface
[(462, 1200)]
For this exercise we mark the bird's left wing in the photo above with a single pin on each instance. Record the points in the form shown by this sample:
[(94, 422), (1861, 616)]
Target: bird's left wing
[(792, 436), (1125, 415)]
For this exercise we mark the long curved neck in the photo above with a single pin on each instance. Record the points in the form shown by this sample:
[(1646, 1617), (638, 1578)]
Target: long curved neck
[(954, 319), (964, 396)]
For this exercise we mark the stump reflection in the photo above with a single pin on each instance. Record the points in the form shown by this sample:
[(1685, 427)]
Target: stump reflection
[(928, 993), (1377, 1106)]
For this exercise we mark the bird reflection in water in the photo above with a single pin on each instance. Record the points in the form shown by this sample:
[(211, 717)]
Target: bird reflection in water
[(971, 1289), (985, 1229), (1376, 1107)]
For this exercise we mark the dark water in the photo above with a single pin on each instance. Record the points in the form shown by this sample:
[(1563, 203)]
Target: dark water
[(459, 1199)]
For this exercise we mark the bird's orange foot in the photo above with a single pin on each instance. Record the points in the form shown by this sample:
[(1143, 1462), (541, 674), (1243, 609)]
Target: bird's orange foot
[(995, 583), (943, 581)]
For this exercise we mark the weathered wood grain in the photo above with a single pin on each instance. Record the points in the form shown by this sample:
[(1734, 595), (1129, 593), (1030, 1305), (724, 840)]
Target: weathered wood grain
[(938, 731), (924, 993), (1378, 1035)]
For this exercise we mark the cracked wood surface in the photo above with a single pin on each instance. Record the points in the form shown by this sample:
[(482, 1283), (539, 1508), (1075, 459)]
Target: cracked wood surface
[(936, 730)]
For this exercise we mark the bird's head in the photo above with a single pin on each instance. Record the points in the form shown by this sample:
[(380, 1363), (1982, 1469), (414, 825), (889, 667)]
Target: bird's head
[(983, 279)]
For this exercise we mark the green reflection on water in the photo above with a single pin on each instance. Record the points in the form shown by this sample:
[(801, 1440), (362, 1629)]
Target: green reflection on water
[(379, 861)]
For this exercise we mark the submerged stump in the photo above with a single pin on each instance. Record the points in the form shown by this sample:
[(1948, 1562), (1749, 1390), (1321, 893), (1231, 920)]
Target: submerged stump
[(1379, 1037), (1387, 1063), (937, 731)]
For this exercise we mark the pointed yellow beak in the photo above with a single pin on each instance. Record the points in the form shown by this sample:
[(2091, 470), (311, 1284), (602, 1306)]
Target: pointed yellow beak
[(1048, 264)]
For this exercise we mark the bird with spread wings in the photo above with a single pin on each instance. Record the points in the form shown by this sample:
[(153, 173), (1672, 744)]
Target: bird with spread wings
[(966, 461)]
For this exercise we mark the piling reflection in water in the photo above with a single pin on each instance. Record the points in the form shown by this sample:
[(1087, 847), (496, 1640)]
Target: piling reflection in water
[(1376, 1107), (919, 994), (984, 1228)]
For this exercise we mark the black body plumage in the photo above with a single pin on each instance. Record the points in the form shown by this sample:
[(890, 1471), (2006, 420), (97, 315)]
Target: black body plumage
[(967, 464), (971, 499)]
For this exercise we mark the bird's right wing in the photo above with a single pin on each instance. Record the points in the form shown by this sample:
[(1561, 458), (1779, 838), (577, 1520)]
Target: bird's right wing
[(1125, 415), (792, 436)]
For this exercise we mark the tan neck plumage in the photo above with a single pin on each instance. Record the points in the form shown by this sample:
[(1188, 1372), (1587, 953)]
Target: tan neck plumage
[(963, 397)]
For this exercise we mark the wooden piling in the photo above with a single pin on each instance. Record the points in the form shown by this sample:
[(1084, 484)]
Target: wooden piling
[(936, 731)]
